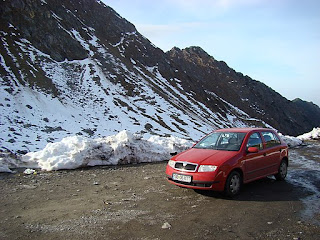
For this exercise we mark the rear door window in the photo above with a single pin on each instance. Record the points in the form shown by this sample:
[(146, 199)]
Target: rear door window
[(271, 139)]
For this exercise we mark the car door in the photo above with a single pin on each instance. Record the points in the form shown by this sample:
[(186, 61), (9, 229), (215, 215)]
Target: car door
[(272, 145), (254, 163)]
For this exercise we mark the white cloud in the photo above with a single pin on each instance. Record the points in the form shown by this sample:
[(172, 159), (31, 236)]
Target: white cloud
[(166, 36), (159, 29)]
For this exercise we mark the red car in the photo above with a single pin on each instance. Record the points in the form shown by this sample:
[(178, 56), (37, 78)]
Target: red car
[(226, 158)]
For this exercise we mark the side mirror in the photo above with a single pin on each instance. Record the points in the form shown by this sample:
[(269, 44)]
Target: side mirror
[(252, 150)]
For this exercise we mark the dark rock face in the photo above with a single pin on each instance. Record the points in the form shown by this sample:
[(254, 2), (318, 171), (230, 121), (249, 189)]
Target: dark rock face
[(68, 30), (310, 110), (35, 21)]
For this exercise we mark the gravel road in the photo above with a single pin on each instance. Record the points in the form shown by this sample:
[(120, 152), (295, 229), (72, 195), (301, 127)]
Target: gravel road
[(136, 202)]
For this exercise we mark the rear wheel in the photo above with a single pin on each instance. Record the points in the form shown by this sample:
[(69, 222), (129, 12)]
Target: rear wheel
[(282, 172), (233, 184)]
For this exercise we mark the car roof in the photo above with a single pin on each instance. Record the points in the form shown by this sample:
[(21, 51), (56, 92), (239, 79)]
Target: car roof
[(243, 130)]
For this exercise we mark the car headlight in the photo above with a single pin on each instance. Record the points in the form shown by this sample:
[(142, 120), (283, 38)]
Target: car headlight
[(207, 168), (171, 163)]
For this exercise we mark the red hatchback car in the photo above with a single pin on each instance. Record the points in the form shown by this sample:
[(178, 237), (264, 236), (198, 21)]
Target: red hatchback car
[(226, 158)]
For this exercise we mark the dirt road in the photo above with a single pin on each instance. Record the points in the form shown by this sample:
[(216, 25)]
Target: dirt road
[(136, 202)]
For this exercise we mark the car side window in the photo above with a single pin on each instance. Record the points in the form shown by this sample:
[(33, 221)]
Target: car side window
[(255, 141), (271, 139)]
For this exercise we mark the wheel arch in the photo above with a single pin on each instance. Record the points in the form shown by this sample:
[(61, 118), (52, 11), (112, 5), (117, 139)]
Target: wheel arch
[(286, 159), (239, 170), (231, 187)]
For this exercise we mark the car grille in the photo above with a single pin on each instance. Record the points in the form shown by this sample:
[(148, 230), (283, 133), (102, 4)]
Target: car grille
[(184, 166)]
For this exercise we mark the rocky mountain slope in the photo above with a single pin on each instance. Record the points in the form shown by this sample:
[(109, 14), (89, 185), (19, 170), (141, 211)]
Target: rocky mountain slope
[(77, 67), (253, 97)]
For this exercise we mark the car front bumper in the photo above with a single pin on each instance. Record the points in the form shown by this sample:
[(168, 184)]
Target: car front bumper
[(199, 180)]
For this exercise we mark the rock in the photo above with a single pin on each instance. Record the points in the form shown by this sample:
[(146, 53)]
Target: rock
[(166, 225), (29, 171)]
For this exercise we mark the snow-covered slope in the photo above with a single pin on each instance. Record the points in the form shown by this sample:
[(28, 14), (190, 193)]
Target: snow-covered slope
[(92, 103), (43, 99)]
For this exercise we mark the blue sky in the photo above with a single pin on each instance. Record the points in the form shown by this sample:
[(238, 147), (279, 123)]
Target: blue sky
[(273, 41)]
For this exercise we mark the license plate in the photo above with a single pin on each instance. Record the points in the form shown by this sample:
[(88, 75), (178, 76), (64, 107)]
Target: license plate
[(181, 178)]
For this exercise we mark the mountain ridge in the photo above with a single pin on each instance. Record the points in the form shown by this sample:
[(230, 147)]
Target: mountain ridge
[(85, 70), (254, 97)]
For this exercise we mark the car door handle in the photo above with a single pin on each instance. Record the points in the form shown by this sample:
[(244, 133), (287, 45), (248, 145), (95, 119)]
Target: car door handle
[(264, 154)]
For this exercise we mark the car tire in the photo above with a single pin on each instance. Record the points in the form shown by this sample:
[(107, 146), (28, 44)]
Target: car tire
[(282, 172), (233, 184)]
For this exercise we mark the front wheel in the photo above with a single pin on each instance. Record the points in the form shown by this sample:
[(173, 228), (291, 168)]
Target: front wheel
[(233, 184), (282, 172)]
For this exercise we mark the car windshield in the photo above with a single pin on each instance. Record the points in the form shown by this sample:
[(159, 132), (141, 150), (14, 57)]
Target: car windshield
[(228, 141)]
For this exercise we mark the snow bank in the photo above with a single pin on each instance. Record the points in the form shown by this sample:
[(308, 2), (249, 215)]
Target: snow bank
[(314, 134), (291, 141), (123, 148), (7, 161), (4, 167), (296, 141)]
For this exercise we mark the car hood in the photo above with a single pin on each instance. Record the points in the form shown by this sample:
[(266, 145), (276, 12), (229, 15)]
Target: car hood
[(205, 156)]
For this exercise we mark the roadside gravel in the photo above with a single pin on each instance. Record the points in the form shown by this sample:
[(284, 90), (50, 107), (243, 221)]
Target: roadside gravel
[(136, 202)]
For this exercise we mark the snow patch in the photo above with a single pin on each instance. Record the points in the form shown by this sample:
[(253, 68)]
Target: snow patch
[(296, 141), (314, 134), (291, 141)]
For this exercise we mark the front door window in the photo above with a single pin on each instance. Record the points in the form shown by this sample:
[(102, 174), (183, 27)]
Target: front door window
[(255, 141)]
